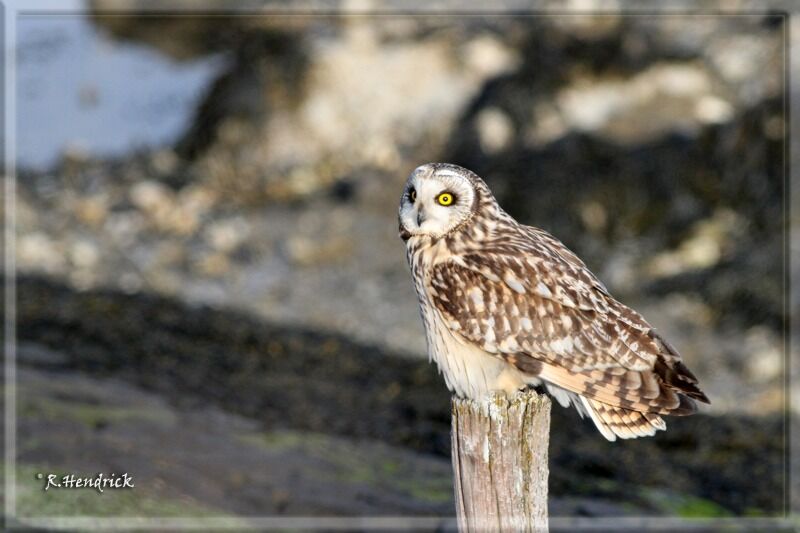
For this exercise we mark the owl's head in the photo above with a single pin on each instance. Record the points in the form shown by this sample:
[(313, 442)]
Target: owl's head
[(439, 198)]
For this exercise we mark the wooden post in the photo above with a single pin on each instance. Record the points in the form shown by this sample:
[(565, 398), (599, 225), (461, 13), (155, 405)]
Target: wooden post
[(500, 462)]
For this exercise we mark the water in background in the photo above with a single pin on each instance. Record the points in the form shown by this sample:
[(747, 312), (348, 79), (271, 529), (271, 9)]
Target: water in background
[(78, 89)]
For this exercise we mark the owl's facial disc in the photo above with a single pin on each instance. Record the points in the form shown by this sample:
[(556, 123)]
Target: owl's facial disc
[(435, 200)]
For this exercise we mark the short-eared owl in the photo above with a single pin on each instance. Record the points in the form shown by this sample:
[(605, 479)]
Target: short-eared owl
[(506, 306)]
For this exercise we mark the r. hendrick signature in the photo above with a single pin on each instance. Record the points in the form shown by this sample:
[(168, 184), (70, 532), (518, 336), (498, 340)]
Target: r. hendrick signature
[(99, 482)]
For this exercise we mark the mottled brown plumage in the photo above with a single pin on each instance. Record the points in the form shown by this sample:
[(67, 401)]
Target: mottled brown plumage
[(507, 306)]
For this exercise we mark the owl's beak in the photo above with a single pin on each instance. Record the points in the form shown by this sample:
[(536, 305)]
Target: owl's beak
[(420, 216)]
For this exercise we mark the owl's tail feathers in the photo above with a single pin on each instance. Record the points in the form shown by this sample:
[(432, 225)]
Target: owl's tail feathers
[(674, 373), (613, 422)]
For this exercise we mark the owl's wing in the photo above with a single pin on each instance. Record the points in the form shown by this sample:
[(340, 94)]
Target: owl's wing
[(549, 316)]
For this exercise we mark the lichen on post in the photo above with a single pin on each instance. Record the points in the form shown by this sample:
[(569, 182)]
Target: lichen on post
[(499, 452)]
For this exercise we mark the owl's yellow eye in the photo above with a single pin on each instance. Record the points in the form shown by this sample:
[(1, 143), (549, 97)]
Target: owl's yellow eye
[(445, 198), (412, 195)]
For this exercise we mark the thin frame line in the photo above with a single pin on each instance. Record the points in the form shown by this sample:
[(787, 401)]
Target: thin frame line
[(473, 14), (615, 523), (10, 289), (311, 10), (785, 281), (787, 255)]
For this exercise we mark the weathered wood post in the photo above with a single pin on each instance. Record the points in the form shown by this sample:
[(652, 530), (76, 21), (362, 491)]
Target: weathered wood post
[(500, 462)]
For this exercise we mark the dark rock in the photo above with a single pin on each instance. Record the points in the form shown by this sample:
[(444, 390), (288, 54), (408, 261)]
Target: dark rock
[(292, 379)]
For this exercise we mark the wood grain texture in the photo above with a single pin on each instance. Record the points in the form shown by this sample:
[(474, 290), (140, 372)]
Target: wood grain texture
[(500, 462)]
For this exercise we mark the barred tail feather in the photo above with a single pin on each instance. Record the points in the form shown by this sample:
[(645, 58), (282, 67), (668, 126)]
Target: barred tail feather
[(617, 387), (613, 422)]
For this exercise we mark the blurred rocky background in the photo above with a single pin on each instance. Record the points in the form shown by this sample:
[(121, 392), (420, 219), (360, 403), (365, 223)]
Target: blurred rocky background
[(212, 292)]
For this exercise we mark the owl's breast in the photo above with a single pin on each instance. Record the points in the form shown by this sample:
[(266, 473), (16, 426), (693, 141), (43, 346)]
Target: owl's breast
[(468, 370)]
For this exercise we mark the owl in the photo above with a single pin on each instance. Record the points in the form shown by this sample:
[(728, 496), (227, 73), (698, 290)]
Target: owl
[(508, 306)]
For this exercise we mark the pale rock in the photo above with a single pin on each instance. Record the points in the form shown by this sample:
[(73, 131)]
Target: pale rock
[(765, 361), (495, 130), (84, 254), (152, 197), (92, 210), (487, 56), (713, 110), (704, 248), (39, 252), (663, 98), (227, 234)]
